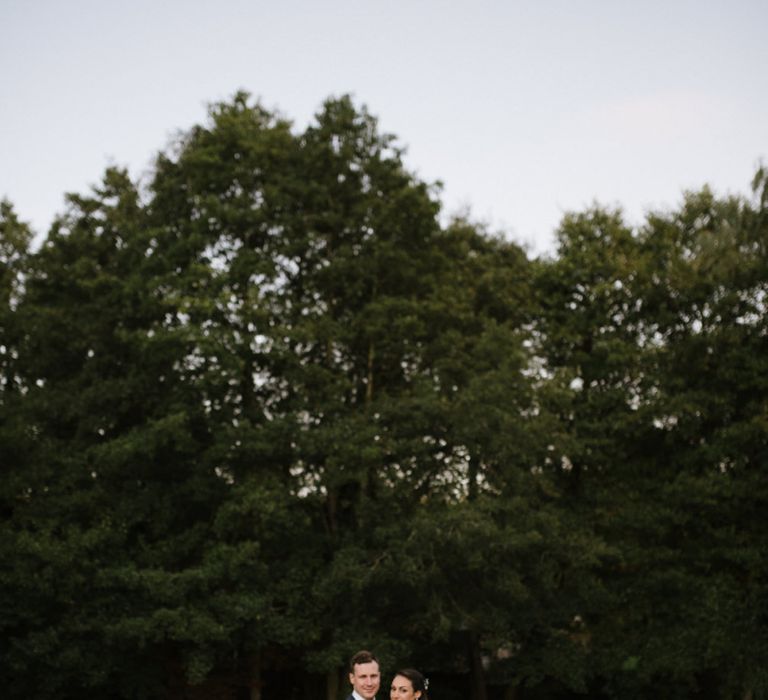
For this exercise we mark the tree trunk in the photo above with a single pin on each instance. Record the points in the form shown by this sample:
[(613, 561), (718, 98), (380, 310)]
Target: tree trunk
[(369, 376), (477, 674), (255, 681), (332, 685)]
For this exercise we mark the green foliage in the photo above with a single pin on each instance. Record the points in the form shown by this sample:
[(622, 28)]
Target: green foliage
[(271, 411)]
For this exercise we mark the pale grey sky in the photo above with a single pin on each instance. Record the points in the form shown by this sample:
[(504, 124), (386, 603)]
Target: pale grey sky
[(524, 110)]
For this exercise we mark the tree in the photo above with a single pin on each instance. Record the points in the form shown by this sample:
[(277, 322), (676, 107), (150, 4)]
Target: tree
[(15, 240), (653, 361), (268, 410)]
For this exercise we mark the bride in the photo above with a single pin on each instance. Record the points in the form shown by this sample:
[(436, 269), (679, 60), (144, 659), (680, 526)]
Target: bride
[(409, 684)]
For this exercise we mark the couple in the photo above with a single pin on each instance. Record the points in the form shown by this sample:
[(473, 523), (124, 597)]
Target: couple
[(365, 677)]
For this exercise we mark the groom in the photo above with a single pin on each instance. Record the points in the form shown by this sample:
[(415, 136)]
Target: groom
[(364, 676)]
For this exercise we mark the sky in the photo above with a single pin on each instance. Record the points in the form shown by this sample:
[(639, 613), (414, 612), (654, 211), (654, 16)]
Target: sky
[(523, 110)]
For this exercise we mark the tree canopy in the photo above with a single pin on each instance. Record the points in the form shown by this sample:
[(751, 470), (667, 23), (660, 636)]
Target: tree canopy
[(269, 408)]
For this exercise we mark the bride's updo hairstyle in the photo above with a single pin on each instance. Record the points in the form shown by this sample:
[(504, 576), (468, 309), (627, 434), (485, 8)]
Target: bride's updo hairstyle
[(418, 681)]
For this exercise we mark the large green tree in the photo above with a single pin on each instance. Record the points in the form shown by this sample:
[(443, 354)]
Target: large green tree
[(268, 409), (655, 342)]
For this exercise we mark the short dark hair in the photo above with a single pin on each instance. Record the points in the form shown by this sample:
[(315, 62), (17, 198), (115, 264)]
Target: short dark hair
[(362, 657), (417, 679)]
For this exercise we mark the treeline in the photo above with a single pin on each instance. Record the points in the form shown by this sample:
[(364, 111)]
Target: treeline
[(266, 410)]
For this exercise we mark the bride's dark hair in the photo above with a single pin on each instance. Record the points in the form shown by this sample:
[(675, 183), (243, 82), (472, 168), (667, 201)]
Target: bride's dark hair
[(418, 681)]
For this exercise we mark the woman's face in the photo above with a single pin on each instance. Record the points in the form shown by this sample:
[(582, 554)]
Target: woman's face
[(402, 689)]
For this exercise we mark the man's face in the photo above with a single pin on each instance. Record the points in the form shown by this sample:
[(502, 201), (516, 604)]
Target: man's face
[(365, 679)]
